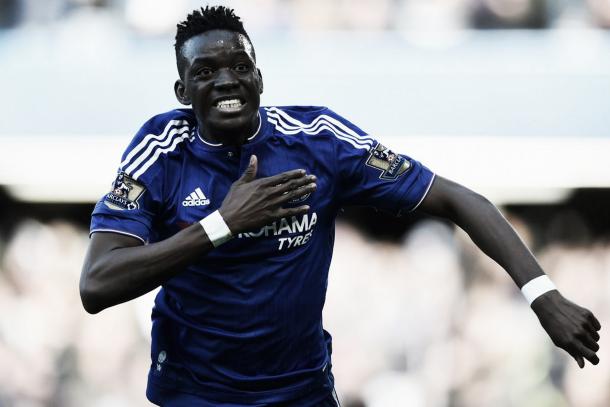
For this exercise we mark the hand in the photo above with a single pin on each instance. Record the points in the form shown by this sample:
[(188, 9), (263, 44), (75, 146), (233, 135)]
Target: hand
[(571, 327), (253, 203)]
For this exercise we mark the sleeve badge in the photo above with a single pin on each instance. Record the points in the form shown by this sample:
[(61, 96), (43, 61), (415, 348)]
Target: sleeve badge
[(125, 193), (390, 164)]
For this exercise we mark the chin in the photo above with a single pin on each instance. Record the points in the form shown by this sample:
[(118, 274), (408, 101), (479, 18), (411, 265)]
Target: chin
[(231, 121)]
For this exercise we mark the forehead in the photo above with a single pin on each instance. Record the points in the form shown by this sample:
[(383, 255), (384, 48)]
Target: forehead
[(215, 42)]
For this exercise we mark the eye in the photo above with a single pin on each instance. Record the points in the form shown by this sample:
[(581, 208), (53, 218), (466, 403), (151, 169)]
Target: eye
[(242, 68), (204, 72)]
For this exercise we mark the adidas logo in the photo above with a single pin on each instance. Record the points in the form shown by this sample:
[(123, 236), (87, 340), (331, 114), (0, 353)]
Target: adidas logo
[(196, 198)]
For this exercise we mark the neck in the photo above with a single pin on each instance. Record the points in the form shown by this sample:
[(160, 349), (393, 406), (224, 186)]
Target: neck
[(235, 137)]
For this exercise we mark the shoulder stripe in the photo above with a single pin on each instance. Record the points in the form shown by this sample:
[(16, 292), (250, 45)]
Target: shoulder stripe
[(316, 131), (338, 126), (298, 123), (175, 133), (159, 151), (280, 125), (149, 137)]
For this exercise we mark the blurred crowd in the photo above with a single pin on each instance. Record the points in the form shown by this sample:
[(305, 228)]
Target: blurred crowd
[(434, 322), (427, 321), (160, 16)]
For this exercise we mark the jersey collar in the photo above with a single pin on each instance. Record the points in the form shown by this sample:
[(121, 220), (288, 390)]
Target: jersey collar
[(254, 138)]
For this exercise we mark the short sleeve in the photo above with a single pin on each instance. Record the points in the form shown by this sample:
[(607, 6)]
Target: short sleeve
[(371, 174), (129, 208), (134, 201)]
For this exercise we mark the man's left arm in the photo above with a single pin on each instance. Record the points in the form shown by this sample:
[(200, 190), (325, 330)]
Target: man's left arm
[(570, 326)]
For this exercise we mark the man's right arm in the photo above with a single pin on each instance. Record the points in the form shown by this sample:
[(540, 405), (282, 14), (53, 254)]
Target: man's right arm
[(119, 268)]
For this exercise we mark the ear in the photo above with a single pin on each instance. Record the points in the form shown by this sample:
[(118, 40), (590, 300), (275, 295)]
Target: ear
[(180, 91), (260, 81)]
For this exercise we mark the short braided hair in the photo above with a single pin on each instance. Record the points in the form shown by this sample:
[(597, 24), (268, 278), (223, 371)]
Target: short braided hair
[(206, 19)]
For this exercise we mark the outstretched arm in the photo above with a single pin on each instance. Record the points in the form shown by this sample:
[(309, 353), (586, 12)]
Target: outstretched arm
[(569, 326), (118, 268)]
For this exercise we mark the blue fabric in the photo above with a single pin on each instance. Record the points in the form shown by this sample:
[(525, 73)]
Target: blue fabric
[(244, 323), (325, 396)]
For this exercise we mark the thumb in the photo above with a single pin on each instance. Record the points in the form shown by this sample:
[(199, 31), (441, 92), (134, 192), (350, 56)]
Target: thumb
[(250, 173), (580, 361)]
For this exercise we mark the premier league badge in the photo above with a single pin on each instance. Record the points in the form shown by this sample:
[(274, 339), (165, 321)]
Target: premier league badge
[(392, 165), (125, 193)]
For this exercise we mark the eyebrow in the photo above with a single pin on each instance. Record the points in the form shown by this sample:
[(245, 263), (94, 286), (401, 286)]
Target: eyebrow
[(201, 60), (208, 59), (209, 62)]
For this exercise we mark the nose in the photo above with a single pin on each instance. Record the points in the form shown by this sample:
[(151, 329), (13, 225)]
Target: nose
[(226, 79)]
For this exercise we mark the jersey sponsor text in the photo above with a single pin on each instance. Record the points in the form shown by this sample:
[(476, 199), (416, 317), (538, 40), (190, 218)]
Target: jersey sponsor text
[(304, 226)]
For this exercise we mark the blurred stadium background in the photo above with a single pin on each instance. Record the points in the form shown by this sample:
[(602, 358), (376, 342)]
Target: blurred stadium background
[(509, 97)]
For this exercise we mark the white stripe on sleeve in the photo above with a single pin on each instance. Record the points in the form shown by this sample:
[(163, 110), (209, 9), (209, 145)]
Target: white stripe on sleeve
[(149, 137), (339, 127), (175, 133), (319, 130), (157, 153), (289, 125)]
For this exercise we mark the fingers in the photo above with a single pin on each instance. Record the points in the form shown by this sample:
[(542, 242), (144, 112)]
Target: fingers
[(591, 331), (583, 344), (578, 351), (591, 318), (250, 172), (590, 343), (295, 193), (589, 335), (285, 212), (294, 184), (579, 360), (282, 178), (595, 336)]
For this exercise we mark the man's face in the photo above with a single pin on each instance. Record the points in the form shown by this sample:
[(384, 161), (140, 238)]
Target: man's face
[(221, 81)]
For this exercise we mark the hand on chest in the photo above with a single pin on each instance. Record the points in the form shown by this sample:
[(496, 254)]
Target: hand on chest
[(202, 189)]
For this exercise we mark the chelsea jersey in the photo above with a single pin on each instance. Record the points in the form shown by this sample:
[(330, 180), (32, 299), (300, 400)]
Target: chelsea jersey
[(243, 324)]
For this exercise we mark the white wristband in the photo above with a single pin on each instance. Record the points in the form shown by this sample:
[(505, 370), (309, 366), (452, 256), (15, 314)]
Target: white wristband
[(215, 227), (536, 287)]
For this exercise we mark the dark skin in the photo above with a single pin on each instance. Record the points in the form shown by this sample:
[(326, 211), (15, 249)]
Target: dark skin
[(220, 65), (570, 327), (119, 268), (217, 65)]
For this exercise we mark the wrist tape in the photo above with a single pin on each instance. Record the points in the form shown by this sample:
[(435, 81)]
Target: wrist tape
[(215, 227), (536, 287)]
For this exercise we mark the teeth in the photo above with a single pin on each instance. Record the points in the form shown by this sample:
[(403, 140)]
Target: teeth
[(229, 104)]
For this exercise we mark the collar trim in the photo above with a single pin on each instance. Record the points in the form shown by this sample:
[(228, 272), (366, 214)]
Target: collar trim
[(260, 122)]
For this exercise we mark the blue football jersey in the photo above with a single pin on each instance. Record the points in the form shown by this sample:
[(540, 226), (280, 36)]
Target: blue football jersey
[(243, 324)]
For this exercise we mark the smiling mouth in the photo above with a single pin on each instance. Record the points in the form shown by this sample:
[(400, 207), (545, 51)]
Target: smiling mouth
[(229, 105)]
